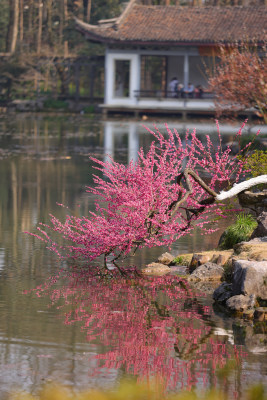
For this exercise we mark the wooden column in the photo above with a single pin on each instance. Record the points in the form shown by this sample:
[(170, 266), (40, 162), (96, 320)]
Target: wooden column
[(92, 81), (186, 70), (77, 82)]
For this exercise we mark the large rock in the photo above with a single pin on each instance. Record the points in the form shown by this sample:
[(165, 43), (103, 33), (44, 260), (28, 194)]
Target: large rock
[(221, 257), (199, 259), (261, 229), (223, 292), (155, 269), (256, 201), (241, 302), (255, 249), (250, 278), (260, 314), (207, 272), (179, 270), (166, 259)]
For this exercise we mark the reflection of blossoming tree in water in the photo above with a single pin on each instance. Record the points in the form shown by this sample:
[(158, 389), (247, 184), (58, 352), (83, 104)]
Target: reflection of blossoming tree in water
[(149, 327)]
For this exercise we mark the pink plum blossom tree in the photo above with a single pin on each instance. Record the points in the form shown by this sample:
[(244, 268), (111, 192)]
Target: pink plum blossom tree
[(152, 202)]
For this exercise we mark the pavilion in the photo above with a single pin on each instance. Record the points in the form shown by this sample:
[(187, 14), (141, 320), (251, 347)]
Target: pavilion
[(146, 46)]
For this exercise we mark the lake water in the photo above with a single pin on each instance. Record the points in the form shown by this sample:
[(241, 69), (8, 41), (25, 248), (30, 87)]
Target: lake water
[(79, 329)]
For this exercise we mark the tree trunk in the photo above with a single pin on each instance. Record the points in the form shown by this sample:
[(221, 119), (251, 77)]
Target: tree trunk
[(79, 7), (30, 17), (88, 10), (40, 27), (12, 32), (66, 17), (240, 187), (21, 30), (61, 24), (66, 14), (255, 201), (62, 71), (49, 21)]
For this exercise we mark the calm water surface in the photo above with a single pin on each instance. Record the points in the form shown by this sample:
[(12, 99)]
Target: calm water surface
[(82, 330)]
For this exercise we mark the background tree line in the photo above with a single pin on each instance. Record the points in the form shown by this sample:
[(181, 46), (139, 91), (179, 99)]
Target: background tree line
[(38, 36), (42, 26)]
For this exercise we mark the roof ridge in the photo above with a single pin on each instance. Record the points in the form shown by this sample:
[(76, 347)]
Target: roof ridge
[(114, 21), (81, 23), (125, 12), (155, 6)]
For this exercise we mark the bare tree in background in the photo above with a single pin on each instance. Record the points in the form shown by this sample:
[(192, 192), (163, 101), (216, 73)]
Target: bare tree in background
[(13, 26), (88, 10)]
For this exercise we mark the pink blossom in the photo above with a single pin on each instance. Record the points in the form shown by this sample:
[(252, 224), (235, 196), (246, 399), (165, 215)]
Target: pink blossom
[(135, 202)]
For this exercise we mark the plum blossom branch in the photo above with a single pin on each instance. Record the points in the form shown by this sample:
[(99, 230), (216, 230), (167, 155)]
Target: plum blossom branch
[(145, 204)]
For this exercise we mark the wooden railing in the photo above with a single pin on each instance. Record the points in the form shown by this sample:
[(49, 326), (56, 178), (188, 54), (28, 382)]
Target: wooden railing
[(166, 94)]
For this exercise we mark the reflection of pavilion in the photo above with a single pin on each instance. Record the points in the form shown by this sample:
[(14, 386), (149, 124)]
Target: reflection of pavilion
[(137, 135), (112, 129)]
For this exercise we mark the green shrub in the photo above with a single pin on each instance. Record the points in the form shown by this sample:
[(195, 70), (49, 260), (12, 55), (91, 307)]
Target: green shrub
[(240, 231), (257, 163), (184, 259), (89, 109), (178, 260), (55, 104)]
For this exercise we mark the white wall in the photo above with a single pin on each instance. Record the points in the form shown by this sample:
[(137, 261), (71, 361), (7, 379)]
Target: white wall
[(134, 77)]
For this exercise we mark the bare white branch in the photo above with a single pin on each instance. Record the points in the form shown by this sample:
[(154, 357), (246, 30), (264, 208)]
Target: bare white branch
[(240, 187)]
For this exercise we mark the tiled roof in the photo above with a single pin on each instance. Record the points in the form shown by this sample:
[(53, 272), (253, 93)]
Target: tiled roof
[(180, 25)]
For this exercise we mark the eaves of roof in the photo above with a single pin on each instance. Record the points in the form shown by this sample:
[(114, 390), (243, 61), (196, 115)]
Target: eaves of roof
[(179, 26)]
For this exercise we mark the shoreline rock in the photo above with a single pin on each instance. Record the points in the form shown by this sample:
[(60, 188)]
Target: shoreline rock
[(223, 292), (156, 269), (243, 271), (220, 257), (166, 259), (250, 278), (207, 272)]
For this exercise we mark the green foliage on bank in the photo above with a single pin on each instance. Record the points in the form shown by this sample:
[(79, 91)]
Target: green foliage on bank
[(238, 232), (131, 391), (55, 104), (89, 109), (257, 163), (178, 260), (184, 259)]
